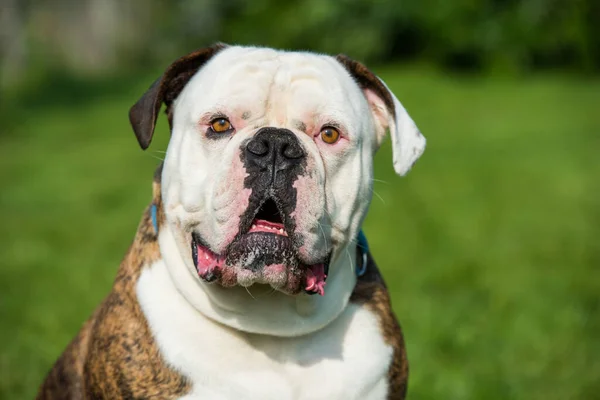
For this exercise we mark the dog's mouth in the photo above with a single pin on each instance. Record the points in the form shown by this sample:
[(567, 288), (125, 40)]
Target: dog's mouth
[(266, 254), (268, 220)]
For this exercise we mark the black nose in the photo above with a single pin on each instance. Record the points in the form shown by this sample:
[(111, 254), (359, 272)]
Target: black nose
[(274, 149)]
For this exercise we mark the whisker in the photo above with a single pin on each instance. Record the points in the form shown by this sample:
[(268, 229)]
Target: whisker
[(334, 228), (326, 225), (324, 237), (361, 246), (153, 156), (268, 292), (380, 181), (328, 214), (247, 290), (351, 262), (377, 194)]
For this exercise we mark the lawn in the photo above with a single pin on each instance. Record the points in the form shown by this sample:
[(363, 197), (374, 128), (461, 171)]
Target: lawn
[(489, 246)]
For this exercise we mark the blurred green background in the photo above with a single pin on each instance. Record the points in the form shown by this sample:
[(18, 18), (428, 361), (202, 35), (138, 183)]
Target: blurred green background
[(489, 246)]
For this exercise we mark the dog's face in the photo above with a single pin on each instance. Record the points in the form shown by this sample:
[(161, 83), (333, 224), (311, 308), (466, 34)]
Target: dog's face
[(268, 173)]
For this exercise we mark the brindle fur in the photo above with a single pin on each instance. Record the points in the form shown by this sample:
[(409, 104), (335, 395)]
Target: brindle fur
[(372, 292), (114, 355)]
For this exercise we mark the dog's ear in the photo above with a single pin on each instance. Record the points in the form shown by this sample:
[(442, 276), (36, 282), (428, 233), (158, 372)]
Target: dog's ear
[(165, 89), (407, 141)]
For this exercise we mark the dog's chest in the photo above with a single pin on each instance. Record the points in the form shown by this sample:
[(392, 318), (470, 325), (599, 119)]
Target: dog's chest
[(346, 360)]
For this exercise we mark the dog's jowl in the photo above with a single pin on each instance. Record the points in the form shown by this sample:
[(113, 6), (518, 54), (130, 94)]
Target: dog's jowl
[(249, 276)]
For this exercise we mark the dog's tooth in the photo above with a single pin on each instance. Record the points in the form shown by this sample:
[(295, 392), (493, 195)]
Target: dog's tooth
[(281, 230)]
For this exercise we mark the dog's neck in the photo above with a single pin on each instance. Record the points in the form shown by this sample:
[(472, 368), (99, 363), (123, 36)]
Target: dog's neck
[(262, 310)]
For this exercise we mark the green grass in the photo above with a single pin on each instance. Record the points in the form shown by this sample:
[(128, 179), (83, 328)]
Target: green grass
[(489, 246)]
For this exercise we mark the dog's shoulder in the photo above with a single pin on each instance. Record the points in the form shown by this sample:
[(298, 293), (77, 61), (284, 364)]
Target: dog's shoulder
[(371, 293), (123, 360)]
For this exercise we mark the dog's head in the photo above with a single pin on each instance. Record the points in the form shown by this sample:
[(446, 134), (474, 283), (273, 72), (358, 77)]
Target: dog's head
[(268, 173)]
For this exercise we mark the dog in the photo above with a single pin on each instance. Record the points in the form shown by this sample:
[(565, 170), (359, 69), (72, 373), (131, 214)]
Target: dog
[(249, 276)]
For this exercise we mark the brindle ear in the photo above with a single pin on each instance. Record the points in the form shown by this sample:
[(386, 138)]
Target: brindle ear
[(165, 89), (407, 142)]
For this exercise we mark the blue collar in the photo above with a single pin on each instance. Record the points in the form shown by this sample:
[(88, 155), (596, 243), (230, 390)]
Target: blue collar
[(154, 219), (363, 247), (361, 243)]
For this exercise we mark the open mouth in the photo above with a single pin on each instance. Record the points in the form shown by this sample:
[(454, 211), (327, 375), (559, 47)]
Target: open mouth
[(264, 254), (268, 220)]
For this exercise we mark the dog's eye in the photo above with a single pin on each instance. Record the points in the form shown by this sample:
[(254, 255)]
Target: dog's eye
[(220, 125), (330, 135)]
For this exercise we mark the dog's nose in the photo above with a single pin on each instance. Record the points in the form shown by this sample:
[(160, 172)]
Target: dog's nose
[(275, 148)]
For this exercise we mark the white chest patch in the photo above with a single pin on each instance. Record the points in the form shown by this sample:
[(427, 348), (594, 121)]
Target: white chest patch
[(348, 359)]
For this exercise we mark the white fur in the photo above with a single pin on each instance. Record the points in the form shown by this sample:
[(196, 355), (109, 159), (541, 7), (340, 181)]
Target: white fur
[(202, 180), (408, 142), (347, 359)]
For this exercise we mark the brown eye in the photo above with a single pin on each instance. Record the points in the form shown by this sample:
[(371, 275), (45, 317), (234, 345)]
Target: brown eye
[(220, 125), (330, 135)]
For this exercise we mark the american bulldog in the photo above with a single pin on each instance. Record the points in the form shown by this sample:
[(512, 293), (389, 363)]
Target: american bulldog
[(249, 277)]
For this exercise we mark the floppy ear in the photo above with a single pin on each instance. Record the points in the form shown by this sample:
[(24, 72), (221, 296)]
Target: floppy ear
[(407, 142), (165, 89)]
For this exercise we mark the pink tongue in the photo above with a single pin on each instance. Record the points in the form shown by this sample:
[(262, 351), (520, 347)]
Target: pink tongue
[(208, 261), (315, 279)]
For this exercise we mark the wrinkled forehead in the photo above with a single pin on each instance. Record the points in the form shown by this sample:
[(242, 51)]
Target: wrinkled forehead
[(274, 84)]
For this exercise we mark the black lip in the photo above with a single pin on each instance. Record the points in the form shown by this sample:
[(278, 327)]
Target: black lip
[(199, 241), (210, 276), (282, 251), (194, 244), (196, 241), (257, 249), (326, 263), (285, 243)]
